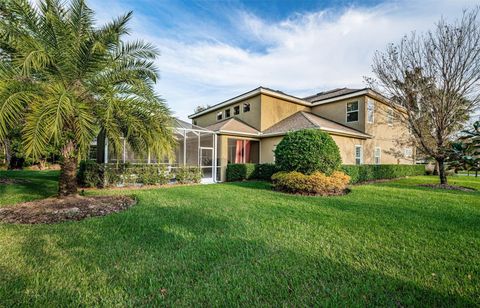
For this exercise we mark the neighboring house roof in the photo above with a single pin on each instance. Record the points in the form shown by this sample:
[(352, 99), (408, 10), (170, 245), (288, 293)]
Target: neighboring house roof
[(249, 94), (233, 126), (303, 120)]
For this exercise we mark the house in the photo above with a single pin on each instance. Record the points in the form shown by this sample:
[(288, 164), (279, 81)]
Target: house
[(364, 125)]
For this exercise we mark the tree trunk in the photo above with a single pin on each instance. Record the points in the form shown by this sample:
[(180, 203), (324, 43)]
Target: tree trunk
[(441, 171), (67, 184)]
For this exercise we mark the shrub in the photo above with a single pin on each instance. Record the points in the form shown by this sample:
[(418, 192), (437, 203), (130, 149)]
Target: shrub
[(264, 171), (316, 183), (362, 173), (240, 172), (188, 175), (307, 151), (90, 174)]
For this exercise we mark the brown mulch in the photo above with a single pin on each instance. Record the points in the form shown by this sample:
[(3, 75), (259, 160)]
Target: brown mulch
[(448, 187), (54, 210), (13, 181)]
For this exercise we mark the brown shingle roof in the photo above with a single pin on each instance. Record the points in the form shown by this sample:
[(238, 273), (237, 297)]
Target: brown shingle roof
[(330, 94), (303, 120), (233, 125)]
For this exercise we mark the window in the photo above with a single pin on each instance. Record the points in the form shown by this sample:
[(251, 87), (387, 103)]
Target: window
[(194, 122), (358, 155), (352, 112), (377, 154), (370, 111), (219, 115), (242, 151), (236, 110), (408, 152), (227, 113), (246, 107), (390, 116)]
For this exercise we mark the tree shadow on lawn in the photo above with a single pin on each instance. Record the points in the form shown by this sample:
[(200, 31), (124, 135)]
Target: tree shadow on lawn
[(184, 256), (35, 185)]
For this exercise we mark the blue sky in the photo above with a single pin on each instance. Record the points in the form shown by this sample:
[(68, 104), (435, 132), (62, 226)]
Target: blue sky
[(214, 50)]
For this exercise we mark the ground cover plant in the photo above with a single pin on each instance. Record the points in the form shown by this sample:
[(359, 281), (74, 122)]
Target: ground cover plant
[(384, 244)]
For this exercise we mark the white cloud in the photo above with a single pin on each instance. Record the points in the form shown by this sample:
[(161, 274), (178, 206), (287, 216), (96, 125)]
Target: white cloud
[(304, 54)]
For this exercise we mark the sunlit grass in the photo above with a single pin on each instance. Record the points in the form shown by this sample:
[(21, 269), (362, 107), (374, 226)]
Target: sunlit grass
[(385, 244)]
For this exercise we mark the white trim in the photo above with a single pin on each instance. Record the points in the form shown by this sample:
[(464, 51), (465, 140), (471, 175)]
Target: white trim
[(328, 130), (340, 97), (238, 133), (249, 95), (361, 153), (379, 155)]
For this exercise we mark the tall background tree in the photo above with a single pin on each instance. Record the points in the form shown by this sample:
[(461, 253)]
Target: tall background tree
[(435, 78), (67, 80)]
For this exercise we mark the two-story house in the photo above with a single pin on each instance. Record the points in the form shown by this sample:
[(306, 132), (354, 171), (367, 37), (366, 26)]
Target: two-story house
[(361, 121)]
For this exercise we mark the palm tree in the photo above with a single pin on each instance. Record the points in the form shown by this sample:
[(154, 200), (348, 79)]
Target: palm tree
[(64, 80)]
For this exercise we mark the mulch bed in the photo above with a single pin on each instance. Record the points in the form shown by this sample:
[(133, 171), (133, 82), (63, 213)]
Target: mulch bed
[(54, 210), (448, 187)]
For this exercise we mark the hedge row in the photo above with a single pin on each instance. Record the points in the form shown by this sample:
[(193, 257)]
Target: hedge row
[(92, 174), (362, 173), (357, 173), (240, 172)]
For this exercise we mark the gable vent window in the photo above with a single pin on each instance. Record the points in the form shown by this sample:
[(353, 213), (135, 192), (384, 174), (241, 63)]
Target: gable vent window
[(246, 107), (352, 112), (370, 111), (236, 110), (227, 113), (219, 115)]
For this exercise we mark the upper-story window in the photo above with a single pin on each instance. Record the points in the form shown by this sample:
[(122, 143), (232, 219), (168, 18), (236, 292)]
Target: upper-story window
[(246, 107), (227, 113), (219, 115), (194, 122), (408, 152), (352, 112), (370, 111), (390, 116), (236, 110)]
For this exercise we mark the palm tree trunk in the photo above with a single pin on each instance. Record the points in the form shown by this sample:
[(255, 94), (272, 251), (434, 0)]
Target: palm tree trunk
[(67, 184), (441, 171)]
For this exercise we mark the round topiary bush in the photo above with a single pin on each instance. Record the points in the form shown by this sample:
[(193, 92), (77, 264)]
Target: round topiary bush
[(307, 151)]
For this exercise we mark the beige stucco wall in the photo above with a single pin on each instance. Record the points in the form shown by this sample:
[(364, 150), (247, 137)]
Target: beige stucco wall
[(267, 146), (337, 111), (275, 109), (251, 117), (392, 139)]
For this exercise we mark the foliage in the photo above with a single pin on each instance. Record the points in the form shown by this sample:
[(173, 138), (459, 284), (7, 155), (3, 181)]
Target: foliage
[(307, 151), (240, 172), (314, 184), (433, 79), (92, 174), (67, 79), (363, 173), (265, 171), (188, 175), (287, 250)]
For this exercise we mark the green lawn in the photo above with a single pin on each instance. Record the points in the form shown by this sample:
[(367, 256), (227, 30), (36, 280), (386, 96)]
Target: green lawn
[(387, 244)]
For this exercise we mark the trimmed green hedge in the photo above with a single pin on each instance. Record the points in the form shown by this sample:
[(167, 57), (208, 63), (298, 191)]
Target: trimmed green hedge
[(357, 173), (240, 172), (92, 174), (362, 173)]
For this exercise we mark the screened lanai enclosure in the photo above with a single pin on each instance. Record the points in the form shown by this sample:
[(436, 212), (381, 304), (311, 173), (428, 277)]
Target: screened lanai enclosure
[(196, 146)]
